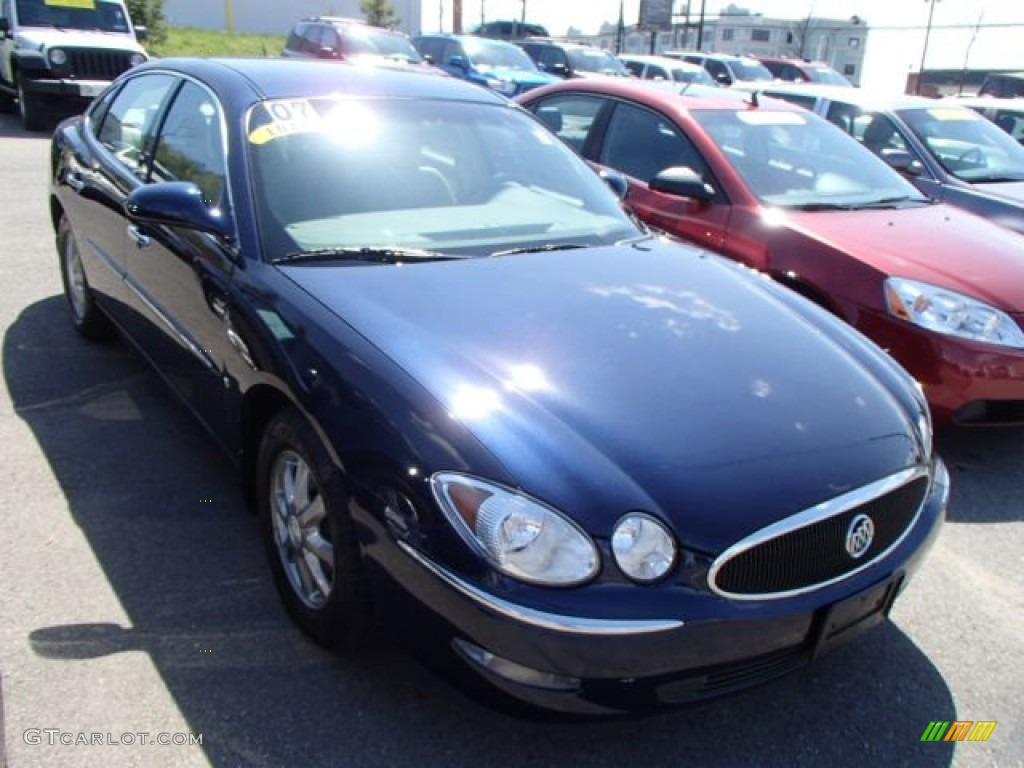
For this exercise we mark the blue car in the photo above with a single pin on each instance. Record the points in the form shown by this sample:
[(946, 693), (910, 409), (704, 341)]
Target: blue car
[(498, 65), (587, 468)]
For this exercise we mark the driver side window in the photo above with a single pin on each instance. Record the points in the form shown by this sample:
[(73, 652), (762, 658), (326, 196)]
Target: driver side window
[(127, 128)]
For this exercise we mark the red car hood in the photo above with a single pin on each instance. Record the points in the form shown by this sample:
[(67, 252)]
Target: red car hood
[(936, 244)]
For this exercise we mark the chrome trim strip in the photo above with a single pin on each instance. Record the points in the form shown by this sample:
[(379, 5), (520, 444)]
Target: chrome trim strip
[(555, 622), (166, 319), (826, 509)]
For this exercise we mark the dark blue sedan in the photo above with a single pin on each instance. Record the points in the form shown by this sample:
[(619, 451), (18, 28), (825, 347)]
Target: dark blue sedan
[(589, 468)]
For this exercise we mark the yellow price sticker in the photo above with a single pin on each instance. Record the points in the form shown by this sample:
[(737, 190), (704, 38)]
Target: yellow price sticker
[(953, 113), (89, 5), (287, 117)]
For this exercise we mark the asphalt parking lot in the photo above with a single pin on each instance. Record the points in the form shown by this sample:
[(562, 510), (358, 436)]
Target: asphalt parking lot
[(134, 598)]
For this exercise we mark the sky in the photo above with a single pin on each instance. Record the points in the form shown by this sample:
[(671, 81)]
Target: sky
[(894, 48)]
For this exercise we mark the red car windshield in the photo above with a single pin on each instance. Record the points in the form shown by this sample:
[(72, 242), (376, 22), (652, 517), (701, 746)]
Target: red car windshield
[(796, 160)]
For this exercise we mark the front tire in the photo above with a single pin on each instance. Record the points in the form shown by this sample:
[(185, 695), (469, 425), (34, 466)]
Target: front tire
[(30, 109), (309, 537), (87, 318)]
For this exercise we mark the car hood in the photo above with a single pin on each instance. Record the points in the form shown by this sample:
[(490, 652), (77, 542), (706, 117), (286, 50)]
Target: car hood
[(1007, 190), (40, 39), (521, 76), (636, 377), (937, 244)]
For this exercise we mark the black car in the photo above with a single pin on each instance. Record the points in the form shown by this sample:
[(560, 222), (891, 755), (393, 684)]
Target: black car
[(567, 60), (588, 467)]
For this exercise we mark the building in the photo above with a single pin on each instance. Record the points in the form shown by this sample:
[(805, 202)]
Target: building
[(840, 43), (274, 17)]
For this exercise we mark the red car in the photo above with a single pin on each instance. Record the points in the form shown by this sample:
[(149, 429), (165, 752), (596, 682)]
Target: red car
[(787, 193)]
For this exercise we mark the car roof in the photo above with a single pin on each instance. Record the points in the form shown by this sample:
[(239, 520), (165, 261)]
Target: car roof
[(707, 55), (1016, 103), (664, 96), (665, 61), (269, 78), (860, 97)]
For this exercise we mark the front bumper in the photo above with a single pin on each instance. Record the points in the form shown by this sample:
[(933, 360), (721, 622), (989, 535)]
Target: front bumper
[(701, 646), (966, 382), (61, 89)]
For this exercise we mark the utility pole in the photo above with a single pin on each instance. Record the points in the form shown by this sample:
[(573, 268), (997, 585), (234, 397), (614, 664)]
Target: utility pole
[(229, 15), (483, 12), (456, 17), (924, 52), (620, 30), (700, 26)]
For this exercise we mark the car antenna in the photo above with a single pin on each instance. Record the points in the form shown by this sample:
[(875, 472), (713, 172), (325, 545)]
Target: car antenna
[(755, 98)]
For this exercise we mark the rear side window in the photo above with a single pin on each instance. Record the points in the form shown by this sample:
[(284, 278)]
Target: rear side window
[(295, 38), (127, 128)]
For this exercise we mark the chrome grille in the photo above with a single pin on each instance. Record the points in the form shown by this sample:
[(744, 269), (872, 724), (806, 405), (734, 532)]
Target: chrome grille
[(88, 64), (809, 550)]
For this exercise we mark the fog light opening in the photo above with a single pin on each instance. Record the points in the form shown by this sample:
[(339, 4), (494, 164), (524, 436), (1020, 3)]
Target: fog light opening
[(510, 670)]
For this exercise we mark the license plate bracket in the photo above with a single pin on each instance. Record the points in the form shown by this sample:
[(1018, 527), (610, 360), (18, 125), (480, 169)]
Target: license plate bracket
[(846, 619)]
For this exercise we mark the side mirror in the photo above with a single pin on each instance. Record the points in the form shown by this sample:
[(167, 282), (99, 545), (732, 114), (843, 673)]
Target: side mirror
[(902, 161), (428, 58), (561, 70), (682, 181), (5, 27), (327, 53), (178, 204), (459, 63), (615, 180), (141, 33), (723, 78)]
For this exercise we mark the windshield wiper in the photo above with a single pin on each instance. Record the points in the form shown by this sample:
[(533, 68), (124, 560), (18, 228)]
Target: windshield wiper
[(539, 248), (892, 202), (376, 255), (823, 207)]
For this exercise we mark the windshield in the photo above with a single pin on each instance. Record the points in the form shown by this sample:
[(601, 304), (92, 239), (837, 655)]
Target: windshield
[(795, 159), (488, 54), (596, 60), (966, 144), (692, 75), (827, 76), (74, 14), (379, 42), (448, 178), (750, 70)]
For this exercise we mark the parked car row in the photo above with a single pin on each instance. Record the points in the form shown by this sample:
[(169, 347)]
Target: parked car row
[(581, 465), (782, 191)]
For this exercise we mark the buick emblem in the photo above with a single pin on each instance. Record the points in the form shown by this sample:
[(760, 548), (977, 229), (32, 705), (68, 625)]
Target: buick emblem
[(859, 536)]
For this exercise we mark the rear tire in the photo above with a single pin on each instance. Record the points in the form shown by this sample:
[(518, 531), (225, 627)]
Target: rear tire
[(87, 318), (310, 539)]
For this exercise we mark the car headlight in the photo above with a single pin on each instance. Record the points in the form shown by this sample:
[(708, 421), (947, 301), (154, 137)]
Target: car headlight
[(57, 57), (504, 87), (951, 313), (643, 548), (136, 59), (518, 535)]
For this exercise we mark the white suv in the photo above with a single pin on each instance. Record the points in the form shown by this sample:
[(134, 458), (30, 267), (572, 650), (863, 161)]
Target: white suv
[(62, 52)]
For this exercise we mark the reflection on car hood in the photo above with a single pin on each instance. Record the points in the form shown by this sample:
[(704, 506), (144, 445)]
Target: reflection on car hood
[(634, 377), (938, 244)]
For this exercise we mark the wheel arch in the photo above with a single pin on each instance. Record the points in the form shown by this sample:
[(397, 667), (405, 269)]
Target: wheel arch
[(809, 292), (259, 405)]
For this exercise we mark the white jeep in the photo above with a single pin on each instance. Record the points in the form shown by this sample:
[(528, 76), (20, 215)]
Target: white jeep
[(61, 53)]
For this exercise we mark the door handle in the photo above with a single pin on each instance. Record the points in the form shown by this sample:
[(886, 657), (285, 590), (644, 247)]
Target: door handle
[(75, 182), (140, 239)]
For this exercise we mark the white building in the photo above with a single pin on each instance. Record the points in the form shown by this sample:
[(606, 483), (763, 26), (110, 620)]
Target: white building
[(275, 17)]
